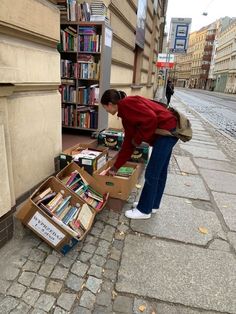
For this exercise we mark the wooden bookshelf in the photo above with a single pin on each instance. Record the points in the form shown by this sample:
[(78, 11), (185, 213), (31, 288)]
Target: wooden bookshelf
[(85, 50)]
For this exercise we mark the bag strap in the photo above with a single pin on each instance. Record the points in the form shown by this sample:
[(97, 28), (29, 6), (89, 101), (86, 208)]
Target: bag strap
[(163, 132)]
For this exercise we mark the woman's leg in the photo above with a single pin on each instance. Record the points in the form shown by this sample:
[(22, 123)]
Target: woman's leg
[(157, 166), (161, 184)]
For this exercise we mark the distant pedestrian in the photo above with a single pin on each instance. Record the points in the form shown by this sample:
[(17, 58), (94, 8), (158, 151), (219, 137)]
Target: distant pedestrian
[(169, 90), (140, 118)]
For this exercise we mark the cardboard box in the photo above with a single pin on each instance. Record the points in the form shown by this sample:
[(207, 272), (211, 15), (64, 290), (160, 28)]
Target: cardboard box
[(112, 138), (72, 167), (115, 204), (117, 187), (140, 154), (50, 229), (90, 165)]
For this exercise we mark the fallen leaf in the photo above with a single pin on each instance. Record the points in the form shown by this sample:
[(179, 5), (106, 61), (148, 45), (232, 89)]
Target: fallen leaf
[(188, 202), (187, 184), (224, 206), (142, 308), (184, 173), (203, 230), (114, 294), (138, 186)]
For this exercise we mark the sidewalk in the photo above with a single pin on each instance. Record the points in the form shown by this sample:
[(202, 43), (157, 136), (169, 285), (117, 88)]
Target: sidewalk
[(181, 261)]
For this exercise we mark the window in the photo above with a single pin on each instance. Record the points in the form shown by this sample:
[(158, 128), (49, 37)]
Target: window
[(140, 40), (138, 57)]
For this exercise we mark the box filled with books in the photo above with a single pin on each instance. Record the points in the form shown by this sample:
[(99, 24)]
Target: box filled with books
[(56, 215), (112, 138), (141, 154), (120, 185), (87, 156), (83, 185)]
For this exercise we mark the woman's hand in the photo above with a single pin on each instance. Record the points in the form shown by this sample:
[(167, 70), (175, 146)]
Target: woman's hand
[(112, 171)]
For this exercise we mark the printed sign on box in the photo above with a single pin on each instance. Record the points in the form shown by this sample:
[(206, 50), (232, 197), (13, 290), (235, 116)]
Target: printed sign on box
[(47, 230)]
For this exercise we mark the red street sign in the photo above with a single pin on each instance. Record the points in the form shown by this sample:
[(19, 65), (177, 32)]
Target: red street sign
[(165, 60), (165, 65)]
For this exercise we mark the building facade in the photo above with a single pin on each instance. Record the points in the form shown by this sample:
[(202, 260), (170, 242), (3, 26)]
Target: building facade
[(210, 59), (225, 60), (183, 64), (30, 113), (30, 104), (133, 69)]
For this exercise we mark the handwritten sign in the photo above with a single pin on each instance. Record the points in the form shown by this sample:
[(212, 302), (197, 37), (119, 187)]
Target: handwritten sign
[(108, 37), (46, 229)]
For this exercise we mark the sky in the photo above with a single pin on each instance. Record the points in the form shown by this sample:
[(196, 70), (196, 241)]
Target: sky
[(195, 8)]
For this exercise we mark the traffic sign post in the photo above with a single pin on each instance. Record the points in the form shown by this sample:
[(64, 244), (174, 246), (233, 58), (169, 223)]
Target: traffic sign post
[(165, 61)]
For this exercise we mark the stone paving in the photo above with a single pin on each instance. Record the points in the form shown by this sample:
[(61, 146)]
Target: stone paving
[(181, 261)]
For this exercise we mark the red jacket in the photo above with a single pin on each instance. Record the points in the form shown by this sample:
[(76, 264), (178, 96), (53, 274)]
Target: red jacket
[(140, 118)]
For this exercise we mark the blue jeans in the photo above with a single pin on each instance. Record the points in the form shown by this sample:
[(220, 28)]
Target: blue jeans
[(156, 174)]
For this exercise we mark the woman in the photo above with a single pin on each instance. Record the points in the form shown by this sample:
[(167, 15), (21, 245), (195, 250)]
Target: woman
[(140, 118)]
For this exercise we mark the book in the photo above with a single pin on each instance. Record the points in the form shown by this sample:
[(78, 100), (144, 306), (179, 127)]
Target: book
[(62, 206), (125, 171), (55, 201), (64, 212), (46, 210), (72, 177), (75, 225), (70, 214), (72, 232), (47, 198), (85, 216), (42, 195)]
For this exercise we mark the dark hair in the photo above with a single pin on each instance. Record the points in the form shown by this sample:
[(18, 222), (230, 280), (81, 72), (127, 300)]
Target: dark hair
[(113, 96)]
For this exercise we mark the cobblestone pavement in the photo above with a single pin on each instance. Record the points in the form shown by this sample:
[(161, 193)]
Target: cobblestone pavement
[(182, 261)]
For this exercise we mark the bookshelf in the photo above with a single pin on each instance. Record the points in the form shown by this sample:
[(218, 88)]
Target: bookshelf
[(85, 51)]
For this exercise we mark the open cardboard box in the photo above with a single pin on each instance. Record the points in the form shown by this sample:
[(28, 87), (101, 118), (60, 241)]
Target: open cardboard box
[(90, 165), (112, 138), (117, 187), (72, 167), (52, 230)]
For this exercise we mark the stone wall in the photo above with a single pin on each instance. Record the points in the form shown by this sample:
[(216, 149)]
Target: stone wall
[(30, 109)]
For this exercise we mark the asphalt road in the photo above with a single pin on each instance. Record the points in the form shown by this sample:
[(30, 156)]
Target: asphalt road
[(218, 108)]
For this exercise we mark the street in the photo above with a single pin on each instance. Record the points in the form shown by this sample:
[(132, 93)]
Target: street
[(218, 108)]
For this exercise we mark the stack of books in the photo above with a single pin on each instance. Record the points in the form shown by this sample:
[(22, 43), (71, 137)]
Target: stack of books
[(75, 11), (68, 69), (89, 40), (81, 187), (88, 70), (88, 95), (98, 12), (68, 93), (69, 39), (68, 113), (74, 219)]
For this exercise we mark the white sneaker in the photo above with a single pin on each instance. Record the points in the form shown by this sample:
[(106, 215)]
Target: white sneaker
[(136, 214), (135, 204)]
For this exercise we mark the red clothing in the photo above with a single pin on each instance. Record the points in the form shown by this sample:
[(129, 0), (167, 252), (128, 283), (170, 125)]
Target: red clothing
[(140, 118)]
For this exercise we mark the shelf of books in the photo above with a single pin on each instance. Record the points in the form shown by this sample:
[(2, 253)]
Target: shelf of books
[(85, 50)]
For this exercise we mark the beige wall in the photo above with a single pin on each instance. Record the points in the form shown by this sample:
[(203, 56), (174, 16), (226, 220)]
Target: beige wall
[(30, 110)]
